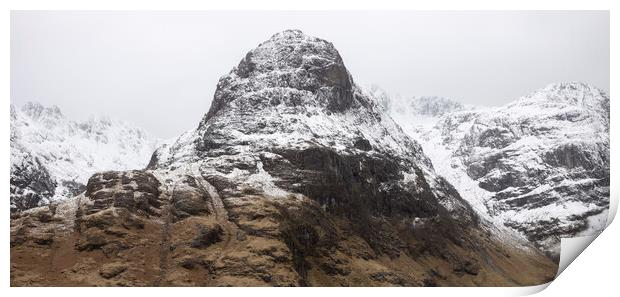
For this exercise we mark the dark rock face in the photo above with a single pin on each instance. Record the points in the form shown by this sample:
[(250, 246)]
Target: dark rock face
[(31, 184), (133, 190), (579, 155), (74, 188), (207, 235), (340, 184), (362, 144)]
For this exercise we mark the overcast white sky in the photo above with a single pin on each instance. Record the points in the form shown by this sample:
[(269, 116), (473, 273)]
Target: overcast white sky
[(159, 70)]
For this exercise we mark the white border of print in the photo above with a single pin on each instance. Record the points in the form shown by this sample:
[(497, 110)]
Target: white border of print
[(592, 273)]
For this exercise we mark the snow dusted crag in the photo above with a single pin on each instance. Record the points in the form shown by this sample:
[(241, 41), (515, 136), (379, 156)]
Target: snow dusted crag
[(290, 107), (295, 176), (52, 157), (539, 165)]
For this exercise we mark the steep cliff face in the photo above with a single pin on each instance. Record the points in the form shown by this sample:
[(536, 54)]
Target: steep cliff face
[(539, 165), (295, 176), (52, 156)]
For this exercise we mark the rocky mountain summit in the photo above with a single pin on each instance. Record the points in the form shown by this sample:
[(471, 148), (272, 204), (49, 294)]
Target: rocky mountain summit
[(52, 156), (295, 176), (539, 165)]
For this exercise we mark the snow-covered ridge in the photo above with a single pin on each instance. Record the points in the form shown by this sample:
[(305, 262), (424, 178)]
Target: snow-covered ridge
[(539, 165), (53, 156)]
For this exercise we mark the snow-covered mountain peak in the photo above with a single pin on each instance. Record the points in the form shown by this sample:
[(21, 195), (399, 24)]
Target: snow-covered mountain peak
[(288, 50), (53, 156), (49, 116), (570, 99), (572, 93), (298, 43), (563, 113), (305, 70), (36, 110), (569, 91)]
